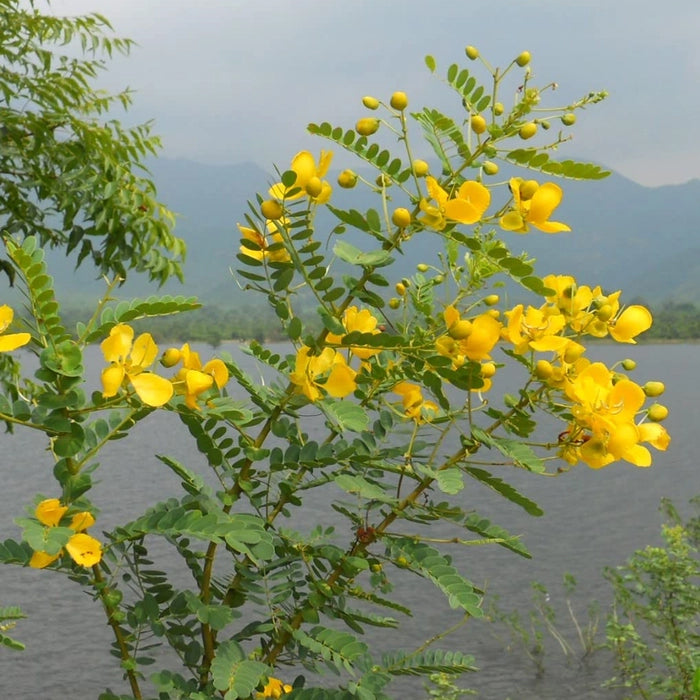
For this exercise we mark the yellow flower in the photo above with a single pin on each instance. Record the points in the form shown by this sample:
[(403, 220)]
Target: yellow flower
[(362, 321), (415, 406), (194, 379), (128, 359), (309, 180), (328, 371), (275, 252), (630, 323), (534, 329), (11, 341), (83, 549), (533, 208), (50, 511), (274, 688), (467, 207), (465, 339)]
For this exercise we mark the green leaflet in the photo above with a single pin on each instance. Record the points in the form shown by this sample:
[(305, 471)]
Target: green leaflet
[(127, 311), (341, 649), (430, 563), (344, 415), (522, 455), (235, 674), (402, 663), (350, 254), (537, 160), (506, 490)]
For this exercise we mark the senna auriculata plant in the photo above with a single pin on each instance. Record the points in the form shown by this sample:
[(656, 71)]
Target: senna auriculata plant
[(385, 403)]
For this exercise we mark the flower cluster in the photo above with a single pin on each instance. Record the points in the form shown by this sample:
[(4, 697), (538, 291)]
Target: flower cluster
[(82, 548), (274, 688), (130, 359)]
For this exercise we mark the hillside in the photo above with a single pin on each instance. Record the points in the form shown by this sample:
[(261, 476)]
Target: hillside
[(627, 236)]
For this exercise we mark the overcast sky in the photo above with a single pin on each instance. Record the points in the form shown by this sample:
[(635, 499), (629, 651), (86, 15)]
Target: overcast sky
[(228, 81)]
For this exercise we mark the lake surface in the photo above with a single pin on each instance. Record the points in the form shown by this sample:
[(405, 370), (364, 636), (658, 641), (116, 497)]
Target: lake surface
[(592, 519)]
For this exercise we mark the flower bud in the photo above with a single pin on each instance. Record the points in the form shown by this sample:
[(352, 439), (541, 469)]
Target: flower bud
[(460, 330), (401, 217), (422, 267), (478, 124), (523, 59), (170, 357), (543, 369), (399, 100), (394, 303), (498, 108), (654, 388), (628, 364), (568, 119), (439, 279), (370, 102), (472, 53), (545, 124), (491, 299), (383, 180), (657, 412), (528, 189), (604, 313), (493, 313), (347, 179), (400, 289), (367, 126), (271, 209), (488, 369), (527, 131), (314, 186), (489, 168), (420, 168)]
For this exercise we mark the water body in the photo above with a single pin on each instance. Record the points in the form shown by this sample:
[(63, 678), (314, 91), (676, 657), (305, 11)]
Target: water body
[(592, 519)]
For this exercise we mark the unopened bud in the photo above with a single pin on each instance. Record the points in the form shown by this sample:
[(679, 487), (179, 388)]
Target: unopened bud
[(491, 300), (347, 179), (367, 126), (422, 267), (399, 101), (488, 369), (400, 289), (657, 412), (394, 303), (170, 357), (460, 330), (628, 364), (568, 119), (401, 217), (478, 124), (314, 186), (498, 109), (527, 131), (472, 53), (420, 168), (543, 369), (489, 168), (271, 209), (654, 388), (528, 189), (370, 102), (523, 59)]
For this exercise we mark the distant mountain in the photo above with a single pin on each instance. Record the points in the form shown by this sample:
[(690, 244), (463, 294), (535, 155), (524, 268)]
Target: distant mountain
[(625, 236)]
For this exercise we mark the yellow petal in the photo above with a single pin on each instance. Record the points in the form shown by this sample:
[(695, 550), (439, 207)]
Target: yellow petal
[(655, 434), (324, 163), (462, 211), (304, 166), (217, 369), (82, 521), (197, 382), (12, 341), (116, 347), (152, 389), (341, 381), (630, 323), (545, 200), (144, 352), (6, 316), (112, 378), (40, 560), (84, 550), (512, 221), (435, 191), (50, 511)]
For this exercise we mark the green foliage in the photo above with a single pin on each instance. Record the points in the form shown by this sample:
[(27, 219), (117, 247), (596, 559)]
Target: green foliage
[(376, 408), (8, 619), (653, 628), (69, 176)]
